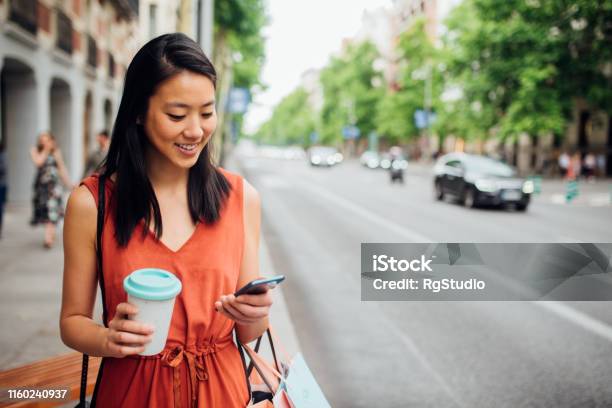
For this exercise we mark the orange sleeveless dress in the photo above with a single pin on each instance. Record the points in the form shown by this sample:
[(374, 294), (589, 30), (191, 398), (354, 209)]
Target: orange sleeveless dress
[(200, 365)]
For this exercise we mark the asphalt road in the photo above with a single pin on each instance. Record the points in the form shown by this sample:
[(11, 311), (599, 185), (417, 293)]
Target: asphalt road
[(426, 354)]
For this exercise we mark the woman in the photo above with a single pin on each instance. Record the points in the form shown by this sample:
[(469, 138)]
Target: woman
[(47, 203), (169, 208)]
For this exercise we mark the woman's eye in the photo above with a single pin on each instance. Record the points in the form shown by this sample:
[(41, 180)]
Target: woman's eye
[(207, 115), (176, 117)]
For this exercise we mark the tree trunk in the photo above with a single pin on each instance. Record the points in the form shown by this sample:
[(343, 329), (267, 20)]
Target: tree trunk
[(223, 64)]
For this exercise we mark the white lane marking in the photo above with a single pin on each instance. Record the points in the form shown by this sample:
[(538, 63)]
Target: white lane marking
[(273, 182), (579, 318), (367, 214), (558, 199), (407, 341), (568, 313)]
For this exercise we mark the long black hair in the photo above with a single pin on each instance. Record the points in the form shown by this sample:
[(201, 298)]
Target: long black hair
[(133, 198)]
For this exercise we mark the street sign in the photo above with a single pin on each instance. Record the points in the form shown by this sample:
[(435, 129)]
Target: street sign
[(422, 120), (238, 100), (350, 132), (571, 191), (373, 141)]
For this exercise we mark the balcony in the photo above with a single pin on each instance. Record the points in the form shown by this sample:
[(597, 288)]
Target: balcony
[(23, 13), (64, 32), (92, 52), (111, 66), (127, 9)]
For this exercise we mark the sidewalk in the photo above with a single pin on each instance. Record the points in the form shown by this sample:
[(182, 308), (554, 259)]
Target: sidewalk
[(31, 290)]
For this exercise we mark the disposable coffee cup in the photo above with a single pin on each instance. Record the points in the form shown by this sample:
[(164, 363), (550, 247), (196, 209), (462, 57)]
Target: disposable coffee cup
[(153, 292)]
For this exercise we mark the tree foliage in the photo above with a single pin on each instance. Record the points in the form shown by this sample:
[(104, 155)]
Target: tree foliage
[(522, 64), (418, 65), (292, 121), (349, 92)]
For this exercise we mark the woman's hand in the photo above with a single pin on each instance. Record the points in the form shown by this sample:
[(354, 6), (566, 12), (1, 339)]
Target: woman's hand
[(245, 309), (125, 337)]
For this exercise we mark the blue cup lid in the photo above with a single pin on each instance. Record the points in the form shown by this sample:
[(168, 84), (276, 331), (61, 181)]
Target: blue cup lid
[(152, 284)]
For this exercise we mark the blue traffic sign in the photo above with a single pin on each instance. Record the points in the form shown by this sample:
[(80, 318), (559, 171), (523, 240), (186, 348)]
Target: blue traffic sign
[(238, 101), (422, 120), (350, 132)]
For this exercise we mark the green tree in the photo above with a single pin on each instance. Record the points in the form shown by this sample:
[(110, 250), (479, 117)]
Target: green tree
[(350, 94), (292, 121), (238, 51), (524, 62), (418, 63)]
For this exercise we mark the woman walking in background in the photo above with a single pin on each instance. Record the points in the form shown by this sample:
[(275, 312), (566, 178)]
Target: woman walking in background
[(47, 203)]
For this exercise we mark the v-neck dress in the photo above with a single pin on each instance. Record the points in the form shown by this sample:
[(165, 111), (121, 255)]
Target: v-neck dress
[(200, 365)]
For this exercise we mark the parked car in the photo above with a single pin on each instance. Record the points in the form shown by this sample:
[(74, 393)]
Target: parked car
[(370, 159), (478, 180), (324, 156)]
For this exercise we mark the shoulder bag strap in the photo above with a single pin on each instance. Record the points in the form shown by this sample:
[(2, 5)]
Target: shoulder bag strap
[(100, 226)]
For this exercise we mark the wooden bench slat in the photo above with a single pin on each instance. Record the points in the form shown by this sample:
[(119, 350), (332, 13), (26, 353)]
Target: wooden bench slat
[(44, 365), (61, 371)]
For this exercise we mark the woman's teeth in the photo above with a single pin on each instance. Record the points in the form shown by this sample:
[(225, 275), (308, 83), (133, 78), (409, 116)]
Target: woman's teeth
[(187, 146)]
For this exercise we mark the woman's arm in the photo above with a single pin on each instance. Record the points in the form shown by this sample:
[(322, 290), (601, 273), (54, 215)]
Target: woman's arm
[(61, 166), (38, 157), (78, 329), (249, 311)]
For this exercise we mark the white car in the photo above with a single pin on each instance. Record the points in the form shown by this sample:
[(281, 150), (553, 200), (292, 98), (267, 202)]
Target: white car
[(370, 159), (324, 156)]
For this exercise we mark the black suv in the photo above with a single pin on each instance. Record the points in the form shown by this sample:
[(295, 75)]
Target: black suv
[(478, 180)]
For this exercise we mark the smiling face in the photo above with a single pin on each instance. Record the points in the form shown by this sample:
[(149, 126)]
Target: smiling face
[(180, 120)]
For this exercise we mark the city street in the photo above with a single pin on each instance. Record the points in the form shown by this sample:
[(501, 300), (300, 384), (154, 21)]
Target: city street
[(428, 354)]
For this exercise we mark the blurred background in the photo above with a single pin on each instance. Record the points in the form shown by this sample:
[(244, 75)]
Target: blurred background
[(357, 121)]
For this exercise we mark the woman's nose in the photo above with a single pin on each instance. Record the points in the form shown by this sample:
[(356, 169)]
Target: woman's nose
[(194, 128)]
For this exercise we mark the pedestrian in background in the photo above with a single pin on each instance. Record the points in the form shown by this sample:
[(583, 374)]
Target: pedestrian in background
[(96, 158), (47, 203), (3, 183), (601, 164), (589, 167), (159, 169), (574, 168), (564, 164)]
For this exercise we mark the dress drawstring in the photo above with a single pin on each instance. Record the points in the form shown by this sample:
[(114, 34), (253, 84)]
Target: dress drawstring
[(197, 367)]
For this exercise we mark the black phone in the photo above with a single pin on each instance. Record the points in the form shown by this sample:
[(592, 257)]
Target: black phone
[(258, 286)]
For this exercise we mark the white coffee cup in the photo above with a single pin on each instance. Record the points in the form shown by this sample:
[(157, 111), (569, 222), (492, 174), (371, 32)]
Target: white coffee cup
[(153, 292)]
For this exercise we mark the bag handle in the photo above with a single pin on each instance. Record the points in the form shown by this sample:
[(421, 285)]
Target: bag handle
[(272, 348), (100, 226), (257, 362), (260, 364)]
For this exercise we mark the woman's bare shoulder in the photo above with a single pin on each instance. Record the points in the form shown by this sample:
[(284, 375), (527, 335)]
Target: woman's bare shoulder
[(81, 204)]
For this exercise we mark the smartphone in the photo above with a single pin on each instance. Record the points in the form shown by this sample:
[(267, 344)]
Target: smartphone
[(260, 285)]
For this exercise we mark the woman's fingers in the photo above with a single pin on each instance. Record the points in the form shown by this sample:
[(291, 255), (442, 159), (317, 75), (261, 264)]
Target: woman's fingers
[(120, 350), (126, 337), (126, 309), (130, 338), (241, 312), (263, 299)]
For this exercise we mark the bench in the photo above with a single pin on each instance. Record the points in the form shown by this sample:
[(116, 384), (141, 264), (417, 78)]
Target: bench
[(53, 373)]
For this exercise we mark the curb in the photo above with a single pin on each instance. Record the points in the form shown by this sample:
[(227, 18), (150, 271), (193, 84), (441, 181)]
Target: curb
[(280, 319)]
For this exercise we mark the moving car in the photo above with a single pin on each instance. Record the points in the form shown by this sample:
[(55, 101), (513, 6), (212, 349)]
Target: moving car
[(324, 156), (370, 159), (478, 180)]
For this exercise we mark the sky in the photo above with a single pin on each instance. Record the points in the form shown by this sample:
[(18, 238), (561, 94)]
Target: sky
[(302, 35)]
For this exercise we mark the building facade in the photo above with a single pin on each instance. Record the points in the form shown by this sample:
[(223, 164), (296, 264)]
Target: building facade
[(62, 64)]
